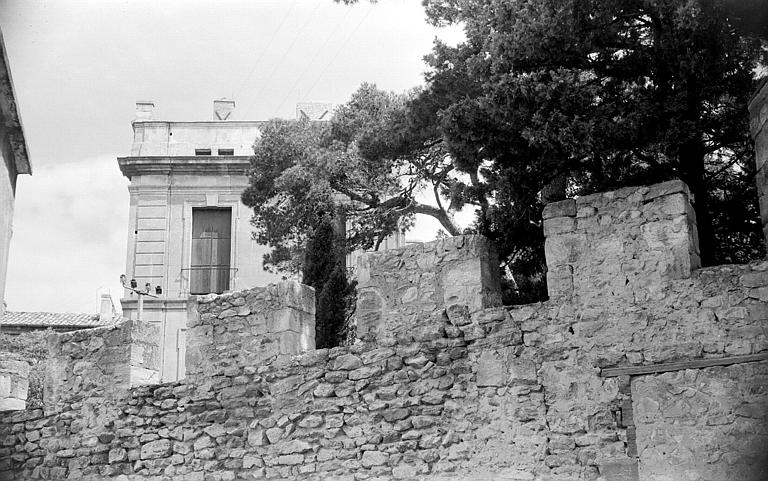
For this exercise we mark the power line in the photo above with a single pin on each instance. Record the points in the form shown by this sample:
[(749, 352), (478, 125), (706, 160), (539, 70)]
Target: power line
[(301, 77), (370, 9), (285, 53), (265, 49)]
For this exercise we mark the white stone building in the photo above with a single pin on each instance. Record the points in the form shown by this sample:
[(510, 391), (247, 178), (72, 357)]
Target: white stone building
[(188, 232), (14, 160)]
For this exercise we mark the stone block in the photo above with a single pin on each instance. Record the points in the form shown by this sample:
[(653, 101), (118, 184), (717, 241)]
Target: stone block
[(400, 288), (666, 188), (563, 208), (559, 225), (260, 325)]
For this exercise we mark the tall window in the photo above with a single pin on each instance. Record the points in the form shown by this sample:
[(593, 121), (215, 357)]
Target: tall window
[(211, 241)]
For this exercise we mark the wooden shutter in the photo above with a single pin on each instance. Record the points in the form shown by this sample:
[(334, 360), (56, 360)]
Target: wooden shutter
[(211, 245)]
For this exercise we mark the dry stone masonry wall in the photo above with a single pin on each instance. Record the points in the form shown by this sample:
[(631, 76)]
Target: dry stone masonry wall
[(250, 328), (399, 289), (98, 364), (612, 379), (623, 244), (758, 123)]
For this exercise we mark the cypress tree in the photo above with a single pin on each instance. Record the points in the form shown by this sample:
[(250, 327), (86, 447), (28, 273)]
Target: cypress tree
[(323, 269)]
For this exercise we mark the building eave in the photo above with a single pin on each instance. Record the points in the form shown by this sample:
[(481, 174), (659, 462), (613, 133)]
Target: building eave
[(199, 123), (191, 165), (12, 120)]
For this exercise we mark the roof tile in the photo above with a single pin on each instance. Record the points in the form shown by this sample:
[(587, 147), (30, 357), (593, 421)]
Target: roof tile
[(50, 319)]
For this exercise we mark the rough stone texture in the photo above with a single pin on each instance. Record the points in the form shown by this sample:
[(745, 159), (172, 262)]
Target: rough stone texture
[(758, 113), (100, 363), (399, 290), (468, 394), (706, 424), (249, 328), (14, 384), (625, 244)]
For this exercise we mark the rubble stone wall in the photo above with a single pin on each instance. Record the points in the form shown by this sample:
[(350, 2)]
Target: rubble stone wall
[(248, 328), (707, 421), (399, 290), (100, 363), (621, 245), (758, 123), (470, 392)]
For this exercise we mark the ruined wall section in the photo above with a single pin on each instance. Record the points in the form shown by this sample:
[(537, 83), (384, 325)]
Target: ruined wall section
[(624, 245), (101, 363), (758, 123), (249, 328), (400, 290), (519, 393)]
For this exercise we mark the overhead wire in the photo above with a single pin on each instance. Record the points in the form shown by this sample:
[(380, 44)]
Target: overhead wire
[(303, 75), (265, 49), (290, 46), (346, 41)]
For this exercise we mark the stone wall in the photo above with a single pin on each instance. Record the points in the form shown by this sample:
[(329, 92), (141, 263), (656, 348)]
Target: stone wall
[(569, 389), (101, 364), (249, 328), (14, 383), (626, 244), (709, 421), (399, 290), (758, 123)]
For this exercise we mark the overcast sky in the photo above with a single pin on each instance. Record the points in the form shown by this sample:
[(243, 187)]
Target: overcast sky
[(79, 66)]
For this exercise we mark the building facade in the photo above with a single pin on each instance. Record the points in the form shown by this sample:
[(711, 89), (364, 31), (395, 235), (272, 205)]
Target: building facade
[(14, 161), (188, 232)]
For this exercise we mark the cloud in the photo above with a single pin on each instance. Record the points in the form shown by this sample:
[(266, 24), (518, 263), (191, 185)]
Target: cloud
[(69, 236)]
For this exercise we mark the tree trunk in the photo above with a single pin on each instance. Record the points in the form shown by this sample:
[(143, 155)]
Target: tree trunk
[(340, 230)]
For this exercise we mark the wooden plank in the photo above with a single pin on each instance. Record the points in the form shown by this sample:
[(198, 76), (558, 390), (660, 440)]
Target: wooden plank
[(679, 366)]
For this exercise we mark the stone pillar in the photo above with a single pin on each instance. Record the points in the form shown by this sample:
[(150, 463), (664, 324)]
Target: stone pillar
[(623, 244), (14, 383), (253, 328), (400, 290), (758, 123)]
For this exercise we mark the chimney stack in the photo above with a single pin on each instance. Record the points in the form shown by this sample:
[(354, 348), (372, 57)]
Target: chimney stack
[(223, 108), (107, 311), (144, 109)]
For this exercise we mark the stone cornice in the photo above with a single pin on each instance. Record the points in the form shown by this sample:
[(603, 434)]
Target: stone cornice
[(191, 165), (200, 123)]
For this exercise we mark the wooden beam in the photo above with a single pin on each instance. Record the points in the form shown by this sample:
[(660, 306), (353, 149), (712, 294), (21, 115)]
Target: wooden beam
[(679, 366)]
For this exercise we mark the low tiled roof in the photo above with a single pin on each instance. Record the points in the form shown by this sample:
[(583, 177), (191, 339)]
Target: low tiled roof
[(50, 319)]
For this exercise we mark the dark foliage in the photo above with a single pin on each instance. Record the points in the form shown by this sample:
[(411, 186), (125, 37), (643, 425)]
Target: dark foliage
[(323, 269), (605, 93)]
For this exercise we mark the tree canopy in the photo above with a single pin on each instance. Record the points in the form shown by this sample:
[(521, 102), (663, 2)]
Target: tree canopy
[(365, 165), (606, 93), (544, 98)]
